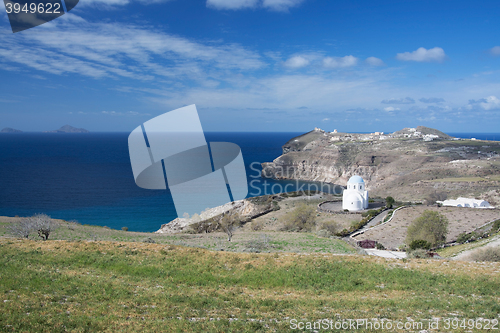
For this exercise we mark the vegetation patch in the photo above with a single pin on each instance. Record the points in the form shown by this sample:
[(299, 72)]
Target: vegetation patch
[(58, 286)]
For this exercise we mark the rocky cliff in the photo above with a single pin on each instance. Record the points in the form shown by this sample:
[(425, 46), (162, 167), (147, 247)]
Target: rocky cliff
[(408, 164)]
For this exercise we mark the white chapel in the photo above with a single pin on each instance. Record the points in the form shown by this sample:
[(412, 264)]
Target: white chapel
[(355, 197)]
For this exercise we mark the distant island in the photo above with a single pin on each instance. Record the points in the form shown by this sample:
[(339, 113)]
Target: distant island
[(10, 130), (68, 129)]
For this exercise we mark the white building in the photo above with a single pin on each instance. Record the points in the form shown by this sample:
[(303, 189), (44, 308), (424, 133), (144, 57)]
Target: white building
[(355, 197), (466, 202)]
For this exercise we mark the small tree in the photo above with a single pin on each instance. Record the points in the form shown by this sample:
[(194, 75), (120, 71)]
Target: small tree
[(431, 227), (229, 223), (44, 225), (23, 228), (389, 201), (302, 218)]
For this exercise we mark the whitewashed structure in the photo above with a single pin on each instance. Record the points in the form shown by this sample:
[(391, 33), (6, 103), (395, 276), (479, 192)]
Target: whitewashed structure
[(355, 196), (466, 202)]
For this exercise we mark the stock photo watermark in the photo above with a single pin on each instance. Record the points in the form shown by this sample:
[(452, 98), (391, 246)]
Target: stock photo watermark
[(385, 325)]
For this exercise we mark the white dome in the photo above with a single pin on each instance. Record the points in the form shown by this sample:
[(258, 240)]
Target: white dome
[(355, 180)]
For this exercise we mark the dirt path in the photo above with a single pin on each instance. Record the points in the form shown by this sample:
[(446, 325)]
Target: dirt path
[(495, 241)]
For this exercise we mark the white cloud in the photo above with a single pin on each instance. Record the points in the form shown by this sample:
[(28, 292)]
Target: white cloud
[(340, 62), (423, 55), (488, 103), (495, 50), (232, 4), (325, 119), (406, 100), (372, 61), (296, 62), (72, 45), (391, 109), (281, 5)]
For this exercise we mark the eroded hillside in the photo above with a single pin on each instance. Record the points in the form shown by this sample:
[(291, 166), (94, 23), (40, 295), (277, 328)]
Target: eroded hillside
[(409, 164)]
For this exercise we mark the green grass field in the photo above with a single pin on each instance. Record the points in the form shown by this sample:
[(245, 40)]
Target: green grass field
[(87, 286)]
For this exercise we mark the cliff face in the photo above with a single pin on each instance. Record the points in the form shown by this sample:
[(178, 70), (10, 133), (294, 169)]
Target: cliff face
[(408, 164)]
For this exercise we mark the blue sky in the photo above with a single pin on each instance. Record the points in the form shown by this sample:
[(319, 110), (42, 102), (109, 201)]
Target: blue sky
[(257, 65)]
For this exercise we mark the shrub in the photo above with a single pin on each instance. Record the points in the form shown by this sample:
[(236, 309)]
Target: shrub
[(388, 216), (330, 227), (486, 254), (125, 228), (430, 226), (418, 254), (229, 223), (257, 225), (380, 246), (148, 240), (43, 224), (420, 244), (301, 218), (496, 226), (464, 237), (389, 201), (23, 228)]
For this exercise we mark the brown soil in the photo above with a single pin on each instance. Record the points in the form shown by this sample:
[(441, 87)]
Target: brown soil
[(393, 233)]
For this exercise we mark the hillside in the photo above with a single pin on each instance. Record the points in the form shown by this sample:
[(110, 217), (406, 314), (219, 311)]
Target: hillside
[(410, 164)]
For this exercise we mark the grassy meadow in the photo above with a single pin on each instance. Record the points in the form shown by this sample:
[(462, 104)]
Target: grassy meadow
[(89, 286)]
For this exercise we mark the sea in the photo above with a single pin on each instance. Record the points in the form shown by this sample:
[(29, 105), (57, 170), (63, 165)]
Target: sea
[(88, 178)]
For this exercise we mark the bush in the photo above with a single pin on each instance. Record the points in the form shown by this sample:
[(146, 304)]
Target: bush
[(486, 254), (389, 201), (302, 218), (229, 223), (148, 240), (418, 254), (380, 246), (125, 228), (420, 244), (431, 227), (330, 227), (23, 228), (257, 225), (496, 226), (464, 237)]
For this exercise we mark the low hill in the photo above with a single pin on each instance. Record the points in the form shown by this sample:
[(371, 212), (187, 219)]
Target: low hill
[(10, 130), (69, 129)]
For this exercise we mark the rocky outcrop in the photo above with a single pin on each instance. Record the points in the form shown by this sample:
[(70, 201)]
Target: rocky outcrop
[(246, 209)]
